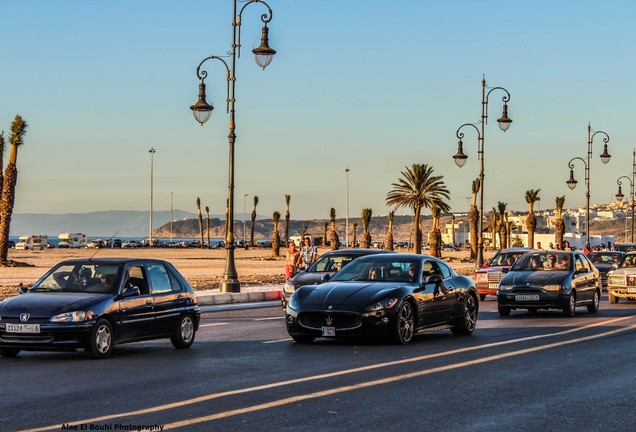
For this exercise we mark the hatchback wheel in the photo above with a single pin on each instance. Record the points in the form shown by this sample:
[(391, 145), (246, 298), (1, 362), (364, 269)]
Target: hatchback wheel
[(100, 345), (570, 307), (183, 336), (593, 308), (466, 324), (503, 311), (405, 325)]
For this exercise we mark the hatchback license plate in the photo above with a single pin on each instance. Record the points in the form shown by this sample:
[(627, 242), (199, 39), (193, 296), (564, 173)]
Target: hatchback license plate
[(328, 331), (23, 328), (527, 297)]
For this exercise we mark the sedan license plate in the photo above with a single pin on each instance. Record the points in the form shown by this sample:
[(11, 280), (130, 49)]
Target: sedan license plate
[(23, 328), (328, 331), (631, 290), (526, 297), (493, 285)]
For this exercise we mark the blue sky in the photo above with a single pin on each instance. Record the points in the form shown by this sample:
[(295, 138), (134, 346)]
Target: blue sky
[(370, 85)]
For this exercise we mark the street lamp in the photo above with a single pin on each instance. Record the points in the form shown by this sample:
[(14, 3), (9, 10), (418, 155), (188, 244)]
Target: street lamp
[(460, 158), (202, 112), (152, 152), (632, 182), (571, 182), (347, 210)]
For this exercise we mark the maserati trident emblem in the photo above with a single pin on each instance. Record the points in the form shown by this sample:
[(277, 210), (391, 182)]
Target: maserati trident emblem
[(24, 317), (329, 321), (330, 307)]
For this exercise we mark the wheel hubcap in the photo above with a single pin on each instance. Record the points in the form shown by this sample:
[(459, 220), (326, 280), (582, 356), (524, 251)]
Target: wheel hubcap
[(406, 322), (187, 329), (102, 339), (470, 311)]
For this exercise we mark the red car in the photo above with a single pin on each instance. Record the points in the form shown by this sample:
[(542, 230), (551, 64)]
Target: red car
[(487, 278)]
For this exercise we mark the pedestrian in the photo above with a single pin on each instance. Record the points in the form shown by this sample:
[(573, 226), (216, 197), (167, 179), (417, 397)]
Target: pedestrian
[(309, 253), (587, 249), (539, 246), (566, 246), (292, 260)]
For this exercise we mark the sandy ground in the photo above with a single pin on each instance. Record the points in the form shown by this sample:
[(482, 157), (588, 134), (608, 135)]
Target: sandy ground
[(203, 268)]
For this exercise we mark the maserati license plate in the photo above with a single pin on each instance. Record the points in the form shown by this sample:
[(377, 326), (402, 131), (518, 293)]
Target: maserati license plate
[(328, 331), (23, 328), (527, 297)]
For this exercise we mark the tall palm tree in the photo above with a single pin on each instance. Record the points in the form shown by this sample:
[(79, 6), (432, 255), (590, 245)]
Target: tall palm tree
[(365, 241), (303, 231), (200, 221), (1, 163), (419, 188), (388, 245), (207, 224), (508, 230), (532, 196), (453, 242), (435, 238), (559, 226), (275, 236), (353, 235), (503, 226), (253, 221), (333, 235), (493, 225), (473, 220), (7, 198), (324, 234), (287, 199)]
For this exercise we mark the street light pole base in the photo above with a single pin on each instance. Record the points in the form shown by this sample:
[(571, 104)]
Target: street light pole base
[(230, 286)]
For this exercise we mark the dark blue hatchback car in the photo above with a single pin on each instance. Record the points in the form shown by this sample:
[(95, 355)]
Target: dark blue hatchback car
[(94, 304)]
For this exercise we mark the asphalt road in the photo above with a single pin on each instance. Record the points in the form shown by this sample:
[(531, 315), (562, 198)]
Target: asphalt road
[(539, 372)]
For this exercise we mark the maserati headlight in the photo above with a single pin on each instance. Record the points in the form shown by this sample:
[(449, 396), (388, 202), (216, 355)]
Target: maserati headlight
[(505, 287), (293, 302), (383, 304), (552, 287), (76, 316)]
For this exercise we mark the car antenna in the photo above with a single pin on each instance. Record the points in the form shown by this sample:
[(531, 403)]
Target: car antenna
[(98, 249)]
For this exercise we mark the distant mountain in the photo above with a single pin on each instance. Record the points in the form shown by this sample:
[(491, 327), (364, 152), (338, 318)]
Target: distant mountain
[(126, 223)]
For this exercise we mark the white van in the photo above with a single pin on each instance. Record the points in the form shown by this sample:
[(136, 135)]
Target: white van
[(72, 240), (32, 242)]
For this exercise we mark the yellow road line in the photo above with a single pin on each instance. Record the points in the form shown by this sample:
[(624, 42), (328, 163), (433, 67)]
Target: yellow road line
[(322, 376)]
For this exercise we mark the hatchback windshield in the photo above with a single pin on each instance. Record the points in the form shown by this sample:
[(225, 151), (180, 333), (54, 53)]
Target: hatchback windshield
[(379, 270), (544, 262), (86, 277)]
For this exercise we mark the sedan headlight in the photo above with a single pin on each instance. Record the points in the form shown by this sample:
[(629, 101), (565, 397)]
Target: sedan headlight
[(505, 287), (553, 287), (481, 277), (616, 279), (76, 316), (288, 287), (383, 304)]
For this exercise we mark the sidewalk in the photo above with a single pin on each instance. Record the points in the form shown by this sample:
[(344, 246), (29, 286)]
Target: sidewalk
[(256, 293)]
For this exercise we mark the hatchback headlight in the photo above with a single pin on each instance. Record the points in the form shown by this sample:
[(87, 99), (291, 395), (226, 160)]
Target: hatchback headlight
[(505, 287), (288, 287), (383, 304), (553, 287), (76, 316)]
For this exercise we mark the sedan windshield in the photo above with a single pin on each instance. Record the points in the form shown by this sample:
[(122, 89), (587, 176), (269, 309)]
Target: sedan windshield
[(79, 277), (505, 258), (544, 262), (380, 270)]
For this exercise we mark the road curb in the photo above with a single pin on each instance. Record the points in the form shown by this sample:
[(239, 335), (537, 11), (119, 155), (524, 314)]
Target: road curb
[(247, 297)]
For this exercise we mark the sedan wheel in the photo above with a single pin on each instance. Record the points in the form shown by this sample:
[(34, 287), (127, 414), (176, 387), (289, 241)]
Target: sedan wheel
[(593, 308), (482, 297), (570, 308), (612, 298), (100, 345), (405, 326), (466, 324), (184, 333)]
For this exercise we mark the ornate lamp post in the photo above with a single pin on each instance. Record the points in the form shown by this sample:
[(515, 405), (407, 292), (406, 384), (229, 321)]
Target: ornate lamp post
[(202, 112), (620, 196), (152, 152), (605, 157), (460, 158)]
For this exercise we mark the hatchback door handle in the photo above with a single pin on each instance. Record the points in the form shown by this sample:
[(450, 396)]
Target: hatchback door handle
[(148, 302)]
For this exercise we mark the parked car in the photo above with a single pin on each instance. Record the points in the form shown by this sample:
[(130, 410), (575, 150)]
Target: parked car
[(11, 244), (550, 280), (488, 277), (621, 283), (95, 304), (393, 295), (326, 264), (117, 243), (625, 247), (605, 262), (96, 244)]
